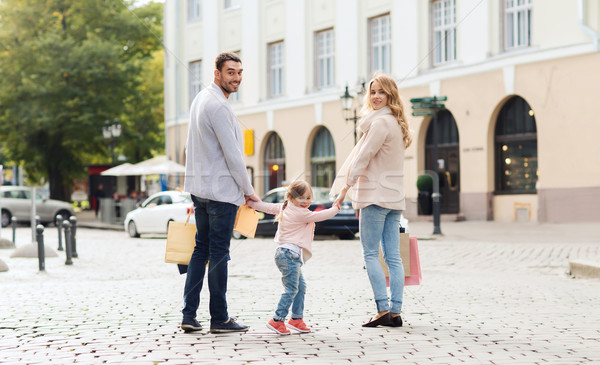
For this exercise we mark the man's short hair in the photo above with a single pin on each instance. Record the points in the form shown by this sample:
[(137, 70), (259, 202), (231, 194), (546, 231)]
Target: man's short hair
[(224, 57)]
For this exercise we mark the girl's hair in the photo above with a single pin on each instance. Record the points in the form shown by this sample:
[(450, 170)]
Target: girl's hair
[(296, 190), (394, 103)]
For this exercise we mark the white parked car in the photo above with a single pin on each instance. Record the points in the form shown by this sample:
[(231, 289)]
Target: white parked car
[(16, 202), (155, 213)]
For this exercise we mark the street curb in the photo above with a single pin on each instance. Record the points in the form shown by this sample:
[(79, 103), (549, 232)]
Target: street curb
[(584, 269), (112, 227)]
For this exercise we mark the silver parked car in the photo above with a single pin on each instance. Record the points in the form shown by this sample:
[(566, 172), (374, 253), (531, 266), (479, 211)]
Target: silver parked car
[(16, 202)]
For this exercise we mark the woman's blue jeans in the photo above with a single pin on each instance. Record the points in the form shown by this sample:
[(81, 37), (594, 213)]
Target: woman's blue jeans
[(290, 263), (377, 225), (214, 226)]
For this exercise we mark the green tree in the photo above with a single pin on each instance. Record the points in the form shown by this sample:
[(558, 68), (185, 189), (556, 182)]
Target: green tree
[(143, 117), (65, 67)]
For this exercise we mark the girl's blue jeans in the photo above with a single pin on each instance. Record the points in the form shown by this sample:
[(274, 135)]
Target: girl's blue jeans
[(290, 263), (377, 225)]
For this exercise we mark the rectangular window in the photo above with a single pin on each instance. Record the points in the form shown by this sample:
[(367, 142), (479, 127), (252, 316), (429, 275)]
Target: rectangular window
[(194, 10), (444, 31), (230, 4), (324, 59), (380, 40), (235, 97), (517, 23), (195, 72), (276, 69)]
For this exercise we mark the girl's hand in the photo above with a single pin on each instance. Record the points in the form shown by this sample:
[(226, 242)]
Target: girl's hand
[(338, 205), (342, 196)]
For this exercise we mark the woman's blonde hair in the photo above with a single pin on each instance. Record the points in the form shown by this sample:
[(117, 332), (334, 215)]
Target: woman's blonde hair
[(394, 102), (295, 190)]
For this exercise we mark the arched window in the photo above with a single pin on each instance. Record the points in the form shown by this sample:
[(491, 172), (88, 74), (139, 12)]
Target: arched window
[(322, 159), (274, 162), (448, 133), (516, 148)]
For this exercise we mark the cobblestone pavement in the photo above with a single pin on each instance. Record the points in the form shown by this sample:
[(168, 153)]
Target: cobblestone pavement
[(491, 294)]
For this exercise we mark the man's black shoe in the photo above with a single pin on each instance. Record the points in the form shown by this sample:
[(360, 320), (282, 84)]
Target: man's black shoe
[(190, 324), (228, 326)]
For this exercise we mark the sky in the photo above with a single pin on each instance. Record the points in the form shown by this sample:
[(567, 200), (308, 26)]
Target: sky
[(143, 2)]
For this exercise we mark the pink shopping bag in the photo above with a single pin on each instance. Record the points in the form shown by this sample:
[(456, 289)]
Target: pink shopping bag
[(414, 276)]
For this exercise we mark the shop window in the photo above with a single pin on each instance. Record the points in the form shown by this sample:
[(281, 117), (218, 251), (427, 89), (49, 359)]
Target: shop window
[(516, 162), (322, 159), (274, 162)]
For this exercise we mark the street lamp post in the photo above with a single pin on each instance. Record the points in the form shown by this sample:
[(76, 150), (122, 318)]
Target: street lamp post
[(429, 107), (111, 132), (347, 102)]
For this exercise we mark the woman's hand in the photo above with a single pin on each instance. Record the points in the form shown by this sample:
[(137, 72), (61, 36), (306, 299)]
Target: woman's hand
[(342, 196)]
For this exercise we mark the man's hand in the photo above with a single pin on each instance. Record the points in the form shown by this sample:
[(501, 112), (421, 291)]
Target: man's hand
[(252, 197)]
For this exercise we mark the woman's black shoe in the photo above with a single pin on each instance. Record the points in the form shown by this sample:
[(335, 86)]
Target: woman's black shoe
[(396, 322), (384, 320)]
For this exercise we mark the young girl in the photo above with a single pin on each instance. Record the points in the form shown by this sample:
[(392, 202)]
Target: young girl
[(294, 236)]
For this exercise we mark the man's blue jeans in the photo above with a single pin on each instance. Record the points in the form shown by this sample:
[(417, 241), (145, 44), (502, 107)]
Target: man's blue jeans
[(377, 225), (290, 263), (214, 226)]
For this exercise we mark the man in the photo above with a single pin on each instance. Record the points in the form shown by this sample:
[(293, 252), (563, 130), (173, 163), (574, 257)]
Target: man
[(217, 178), (98, 194)]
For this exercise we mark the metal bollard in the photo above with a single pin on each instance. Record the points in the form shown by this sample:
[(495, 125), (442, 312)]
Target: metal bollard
[(37, 220), (59, 225), (67, 226), (40, 246), (73, 221), (14, 227)]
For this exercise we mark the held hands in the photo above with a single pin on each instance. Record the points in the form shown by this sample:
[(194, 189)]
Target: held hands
[(341, 197), (337, 204), (252, 197)]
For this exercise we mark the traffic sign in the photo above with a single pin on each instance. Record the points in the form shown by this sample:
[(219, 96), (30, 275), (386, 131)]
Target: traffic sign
[(422, 113), (429, 99), (422, 106), (417, 106)]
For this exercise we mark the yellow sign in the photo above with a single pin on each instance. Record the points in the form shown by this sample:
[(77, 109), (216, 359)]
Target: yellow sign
[(248, 142)]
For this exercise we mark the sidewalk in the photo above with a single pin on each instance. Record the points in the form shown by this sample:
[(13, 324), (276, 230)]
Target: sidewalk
[(88, 219), (513, 232), (491, 231)]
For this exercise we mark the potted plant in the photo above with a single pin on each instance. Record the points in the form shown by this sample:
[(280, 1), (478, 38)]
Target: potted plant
[(425, 187)]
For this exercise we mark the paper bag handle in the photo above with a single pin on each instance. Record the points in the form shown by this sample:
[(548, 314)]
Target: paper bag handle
[(188, 216)]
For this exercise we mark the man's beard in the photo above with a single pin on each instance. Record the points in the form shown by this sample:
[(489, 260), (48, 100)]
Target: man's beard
[(226, 87)]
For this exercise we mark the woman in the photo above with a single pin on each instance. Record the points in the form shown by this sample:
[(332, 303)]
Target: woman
[(373, 177)]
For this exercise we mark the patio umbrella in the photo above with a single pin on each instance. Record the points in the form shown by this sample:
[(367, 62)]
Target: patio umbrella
[(159, 165), (125, 169)]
